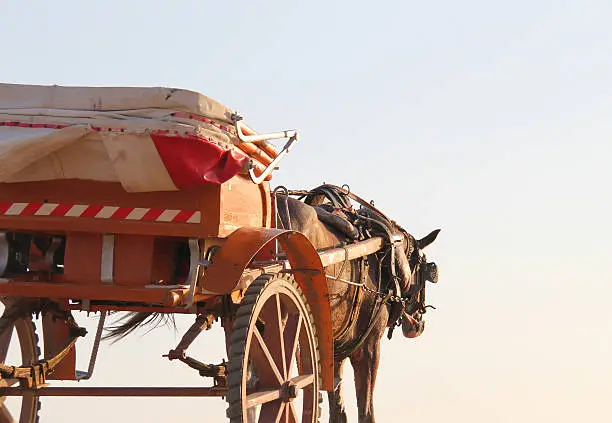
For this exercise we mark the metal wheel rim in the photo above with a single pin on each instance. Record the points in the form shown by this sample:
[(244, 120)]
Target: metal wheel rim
[(28, 343), (285, 365)]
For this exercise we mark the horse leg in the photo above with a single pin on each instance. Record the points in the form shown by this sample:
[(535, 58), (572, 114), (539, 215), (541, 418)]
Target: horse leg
[(365, 365), (337, 412)]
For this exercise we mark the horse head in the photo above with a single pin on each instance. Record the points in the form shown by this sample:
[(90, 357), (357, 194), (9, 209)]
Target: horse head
[(421, 271)]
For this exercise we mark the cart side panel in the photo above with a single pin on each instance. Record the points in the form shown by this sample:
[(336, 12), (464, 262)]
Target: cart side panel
[(148, 228), (137, 260), (83, 258), (63, 206), (244, 204)]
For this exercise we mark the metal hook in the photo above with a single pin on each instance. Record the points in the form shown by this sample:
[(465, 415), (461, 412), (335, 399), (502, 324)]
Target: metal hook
[(286, 193)]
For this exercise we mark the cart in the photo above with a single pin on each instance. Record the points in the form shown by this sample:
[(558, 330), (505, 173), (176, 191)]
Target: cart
[(155, 200)]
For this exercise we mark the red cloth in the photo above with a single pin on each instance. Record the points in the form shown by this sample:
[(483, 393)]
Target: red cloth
[(193, 161)]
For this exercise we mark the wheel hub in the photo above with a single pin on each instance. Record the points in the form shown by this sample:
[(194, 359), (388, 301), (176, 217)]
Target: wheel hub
[(289, 391)]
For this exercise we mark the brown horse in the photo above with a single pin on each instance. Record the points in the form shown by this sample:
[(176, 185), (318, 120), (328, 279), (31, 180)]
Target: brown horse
[(360, 293), (356, 310)]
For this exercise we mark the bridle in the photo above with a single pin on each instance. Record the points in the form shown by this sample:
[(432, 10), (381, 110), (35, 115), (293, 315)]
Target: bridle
[(414, 298)]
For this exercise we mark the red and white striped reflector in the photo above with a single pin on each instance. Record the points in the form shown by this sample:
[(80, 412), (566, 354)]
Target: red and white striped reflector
[(100, 212)]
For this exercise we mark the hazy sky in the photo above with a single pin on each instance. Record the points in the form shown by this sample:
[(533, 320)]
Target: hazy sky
[(488, 119)]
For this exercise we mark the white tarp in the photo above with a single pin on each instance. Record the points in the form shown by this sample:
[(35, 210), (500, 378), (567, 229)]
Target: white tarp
[(16, 96), (108, 134)]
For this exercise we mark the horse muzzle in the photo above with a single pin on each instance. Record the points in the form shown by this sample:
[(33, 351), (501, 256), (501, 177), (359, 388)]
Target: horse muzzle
[(411, 327)]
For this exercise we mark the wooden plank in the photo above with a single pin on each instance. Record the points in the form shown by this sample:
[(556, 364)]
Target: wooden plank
[(157, 295), (223, 208), (128, 391), (352, 251), (56, 337)]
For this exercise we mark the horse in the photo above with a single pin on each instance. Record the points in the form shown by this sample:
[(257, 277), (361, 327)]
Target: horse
[(360, 311), (367, 295)]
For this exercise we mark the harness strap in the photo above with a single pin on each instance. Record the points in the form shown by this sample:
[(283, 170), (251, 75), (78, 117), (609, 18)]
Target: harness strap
[(339, 339), (339, 198), (343, 352), (331, 192), (357, 199)]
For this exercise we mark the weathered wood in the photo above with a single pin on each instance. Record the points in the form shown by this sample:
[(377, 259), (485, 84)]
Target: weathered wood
[(351, 251), (163, 295)]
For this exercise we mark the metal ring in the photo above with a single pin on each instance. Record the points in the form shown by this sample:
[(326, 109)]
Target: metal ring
[(279, 188)]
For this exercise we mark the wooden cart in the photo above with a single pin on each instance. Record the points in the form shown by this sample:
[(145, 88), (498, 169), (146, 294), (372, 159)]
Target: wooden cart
[(207, 248)]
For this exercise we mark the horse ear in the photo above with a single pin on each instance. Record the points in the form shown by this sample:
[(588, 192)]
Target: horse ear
[(425, 241)]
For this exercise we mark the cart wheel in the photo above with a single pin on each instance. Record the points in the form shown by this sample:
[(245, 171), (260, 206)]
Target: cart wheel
[(28, 348), (273, 331)]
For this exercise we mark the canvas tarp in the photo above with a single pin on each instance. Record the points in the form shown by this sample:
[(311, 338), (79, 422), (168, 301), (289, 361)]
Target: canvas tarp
[(144, 138), (16, 96)]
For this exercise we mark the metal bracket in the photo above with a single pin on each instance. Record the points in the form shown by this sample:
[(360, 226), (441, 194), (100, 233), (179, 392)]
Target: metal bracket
[(218, 372), (203, 322), (80, 375), (291, 134), (194, 269), (4, 252), (108, 252), (259, 179)]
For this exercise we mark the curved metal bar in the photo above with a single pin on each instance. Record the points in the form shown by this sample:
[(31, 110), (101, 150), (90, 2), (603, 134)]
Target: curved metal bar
[(94, 351), (248, 135), (286, 194), (240, 126), (259, 179), (241, 248)]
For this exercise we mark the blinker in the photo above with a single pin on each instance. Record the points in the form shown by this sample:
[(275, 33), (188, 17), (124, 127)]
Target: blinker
[(431, 272)]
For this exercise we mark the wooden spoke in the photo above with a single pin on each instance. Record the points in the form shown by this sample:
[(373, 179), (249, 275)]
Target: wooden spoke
[(273, 330), (262, 397), (5, 415), (291, 338), (5, 341), (272, 412), (264, 361), (291, 415), (303, 381)]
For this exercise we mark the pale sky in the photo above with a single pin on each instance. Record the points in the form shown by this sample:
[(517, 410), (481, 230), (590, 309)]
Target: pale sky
[(490, 120)]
